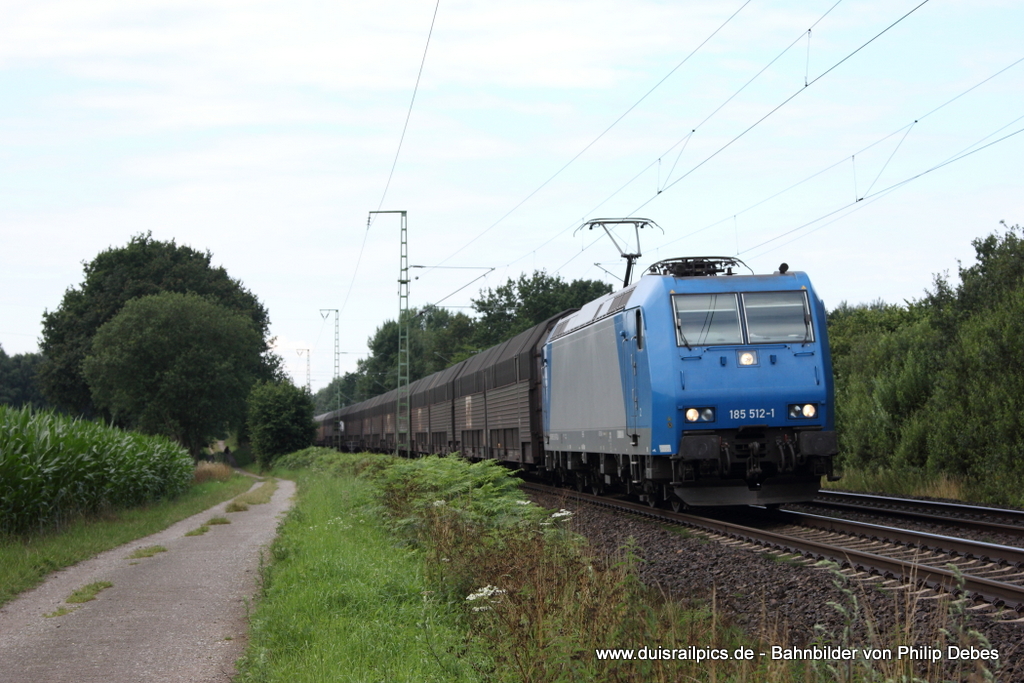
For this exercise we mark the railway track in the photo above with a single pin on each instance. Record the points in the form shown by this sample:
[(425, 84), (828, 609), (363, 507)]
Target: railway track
[(985, 571), (975, 517)]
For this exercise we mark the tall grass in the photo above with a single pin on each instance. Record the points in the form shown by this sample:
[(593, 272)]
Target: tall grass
[(906, 481), (473, 582), (538, 601), (205, 471), (342, 603), (53, 467)]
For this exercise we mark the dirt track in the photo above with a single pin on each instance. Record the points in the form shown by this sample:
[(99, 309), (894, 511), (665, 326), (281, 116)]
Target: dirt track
[(177, 616)]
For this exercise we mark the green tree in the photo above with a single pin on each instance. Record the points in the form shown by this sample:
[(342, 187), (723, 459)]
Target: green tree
[(938, 384), (19, 384), (116, 276), (175, 364), (342, 391), (437, 339), (977, 425), (280, 419), (520, 304)]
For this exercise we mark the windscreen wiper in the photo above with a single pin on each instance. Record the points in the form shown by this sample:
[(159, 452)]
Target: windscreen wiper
[(679, 328)]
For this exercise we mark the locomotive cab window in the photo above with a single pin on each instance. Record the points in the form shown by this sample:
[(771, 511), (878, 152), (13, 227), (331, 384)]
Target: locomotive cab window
[(778, 317), (706, 319)]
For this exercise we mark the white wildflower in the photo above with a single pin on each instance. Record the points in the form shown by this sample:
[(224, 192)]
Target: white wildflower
[(562, 514), (522, 502), (485, 592), (438, 503)]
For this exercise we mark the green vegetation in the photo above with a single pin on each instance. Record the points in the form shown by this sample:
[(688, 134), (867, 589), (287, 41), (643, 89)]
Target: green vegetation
[(439, 338), (148, 551), (910, 482), (175, 364), (341, 602), (520, 304), (87, 593), (218, 520), (257, 496), (438, 569), (60, 611), (113, 278), (18, 383), (26, 559), (206, 471), (198, 531), (280, 420), (53, 468), (934, 390)]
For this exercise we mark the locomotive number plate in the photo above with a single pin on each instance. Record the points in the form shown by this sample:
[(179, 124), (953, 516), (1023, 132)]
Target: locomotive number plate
[(752, 413)]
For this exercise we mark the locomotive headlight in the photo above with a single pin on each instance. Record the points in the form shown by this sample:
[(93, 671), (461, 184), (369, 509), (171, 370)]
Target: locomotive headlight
[(748, 357), (799, 411), (700, 414)]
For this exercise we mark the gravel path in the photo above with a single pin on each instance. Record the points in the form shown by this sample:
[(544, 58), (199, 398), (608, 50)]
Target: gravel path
[(177, 616)]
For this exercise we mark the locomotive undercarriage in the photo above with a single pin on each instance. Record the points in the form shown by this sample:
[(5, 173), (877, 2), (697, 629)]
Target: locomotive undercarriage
[(755, 465)]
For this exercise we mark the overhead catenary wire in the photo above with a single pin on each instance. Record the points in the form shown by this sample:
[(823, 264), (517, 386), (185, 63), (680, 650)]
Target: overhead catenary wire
[(412, 101), (683, 141), (601, 135), (394, 163), (860, 202), (904, 129), (782, 104), (963, 154)]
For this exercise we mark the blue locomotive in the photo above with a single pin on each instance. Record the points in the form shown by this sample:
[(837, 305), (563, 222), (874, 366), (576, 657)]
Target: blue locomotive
[(695, 386)]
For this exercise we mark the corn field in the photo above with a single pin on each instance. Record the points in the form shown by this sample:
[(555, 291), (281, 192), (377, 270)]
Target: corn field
[(53, 467)]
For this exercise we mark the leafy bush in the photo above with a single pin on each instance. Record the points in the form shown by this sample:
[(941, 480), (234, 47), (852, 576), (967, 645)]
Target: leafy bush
[(937, 386), (53, 467), (330, 461), (280, 420)]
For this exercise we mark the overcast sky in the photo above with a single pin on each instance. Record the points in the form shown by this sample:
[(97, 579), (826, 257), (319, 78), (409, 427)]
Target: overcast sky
[(265, 132)]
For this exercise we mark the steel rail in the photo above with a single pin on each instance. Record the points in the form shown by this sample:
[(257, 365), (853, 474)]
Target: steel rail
[(996, 592), (986, 552), (1013, 520)]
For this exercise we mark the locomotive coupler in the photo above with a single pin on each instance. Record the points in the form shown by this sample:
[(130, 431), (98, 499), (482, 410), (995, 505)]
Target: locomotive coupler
[(754, 474)]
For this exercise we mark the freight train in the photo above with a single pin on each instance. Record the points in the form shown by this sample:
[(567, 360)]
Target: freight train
[(695, 386)]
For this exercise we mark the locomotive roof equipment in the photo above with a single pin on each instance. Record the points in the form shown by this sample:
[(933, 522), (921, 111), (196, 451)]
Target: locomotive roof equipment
[(637, 223)]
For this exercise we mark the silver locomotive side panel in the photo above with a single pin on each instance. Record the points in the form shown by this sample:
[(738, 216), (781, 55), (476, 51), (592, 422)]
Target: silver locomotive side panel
[(586, 392)]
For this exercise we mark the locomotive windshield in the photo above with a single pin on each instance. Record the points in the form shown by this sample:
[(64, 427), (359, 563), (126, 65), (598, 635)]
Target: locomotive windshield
[(714, 319), (779, 317), (703, 319)]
